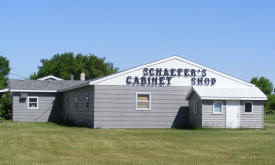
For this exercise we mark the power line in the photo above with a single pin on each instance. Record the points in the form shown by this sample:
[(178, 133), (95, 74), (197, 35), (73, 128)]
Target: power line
[(17, 75)]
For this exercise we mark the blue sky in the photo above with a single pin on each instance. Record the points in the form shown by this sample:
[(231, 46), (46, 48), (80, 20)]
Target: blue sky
[(235, 37)]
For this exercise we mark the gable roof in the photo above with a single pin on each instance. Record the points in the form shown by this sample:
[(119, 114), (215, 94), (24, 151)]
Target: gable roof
[(94, 82), (50, 77), (104, 78), (41, 86), (227, 93)]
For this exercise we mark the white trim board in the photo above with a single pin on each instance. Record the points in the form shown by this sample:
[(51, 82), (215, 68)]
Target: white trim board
[(252, 108), (213, 107), (150, 101), (4, 90), (28, 105), (233, 98), (46, 91), (50, 77)]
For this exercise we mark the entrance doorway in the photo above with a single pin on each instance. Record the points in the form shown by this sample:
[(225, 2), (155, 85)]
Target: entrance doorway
[(233, 114)]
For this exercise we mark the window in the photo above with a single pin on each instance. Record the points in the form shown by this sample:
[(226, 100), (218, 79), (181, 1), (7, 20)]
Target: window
[(248, 107), (195, 108), (68, 101), (32, 102), (76, 101), (87, 100), (217, 107), (143, 101)]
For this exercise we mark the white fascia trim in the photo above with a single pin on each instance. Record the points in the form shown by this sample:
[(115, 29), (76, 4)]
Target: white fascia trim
[(75, 86), (131, 70), (168, 59), (45, 91), (4, 90), (233, 98), (50, 76)]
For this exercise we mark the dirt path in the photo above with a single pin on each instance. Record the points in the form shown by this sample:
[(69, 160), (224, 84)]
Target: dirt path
[(269, 125)]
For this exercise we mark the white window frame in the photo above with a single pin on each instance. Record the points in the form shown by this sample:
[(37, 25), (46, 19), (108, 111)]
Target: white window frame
[(252, 109), (195, 106), (150, 100), (33, 102), (217, 113)]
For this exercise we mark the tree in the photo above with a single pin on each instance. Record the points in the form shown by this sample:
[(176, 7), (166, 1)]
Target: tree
[(67, 64), (4, 71), (5, 99), (264, 84), (266, 87)]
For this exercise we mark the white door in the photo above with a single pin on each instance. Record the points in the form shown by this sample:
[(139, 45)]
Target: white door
[(232, 114)]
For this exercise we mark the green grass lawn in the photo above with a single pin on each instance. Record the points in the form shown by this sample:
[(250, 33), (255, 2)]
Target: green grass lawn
[(48, 143)]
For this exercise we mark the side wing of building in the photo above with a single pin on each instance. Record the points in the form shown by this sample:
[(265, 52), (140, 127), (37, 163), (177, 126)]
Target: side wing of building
[(37, 107), (78, 106)]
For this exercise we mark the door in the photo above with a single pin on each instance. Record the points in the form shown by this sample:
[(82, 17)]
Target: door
[(232, 114)]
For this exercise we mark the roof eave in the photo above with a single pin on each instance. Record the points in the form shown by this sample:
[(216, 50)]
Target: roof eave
[(74, 87), (25, 90), (192, 90), (233, 98)]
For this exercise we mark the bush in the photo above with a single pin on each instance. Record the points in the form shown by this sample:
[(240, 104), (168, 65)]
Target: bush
[(271, 102), (5, 106)]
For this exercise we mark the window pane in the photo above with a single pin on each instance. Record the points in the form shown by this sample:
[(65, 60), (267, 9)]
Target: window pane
[(33, 105), (143, 97), (248, 107), (195, 106), (217, 107), (32, 99), (143, 105), (87, 98)]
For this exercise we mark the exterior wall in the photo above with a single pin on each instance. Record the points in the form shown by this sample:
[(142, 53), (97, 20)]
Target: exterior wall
[(48, 108), (255, 120), (79, 113), (210, 120), (222, 81), (115, 107), (195, 119)]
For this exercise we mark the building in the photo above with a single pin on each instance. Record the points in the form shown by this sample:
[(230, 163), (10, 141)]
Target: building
[(171, 92)]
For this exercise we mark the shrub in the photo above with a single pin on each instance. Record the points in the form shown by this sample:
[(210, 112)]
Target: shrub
[(271, 102), (5, 106)]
